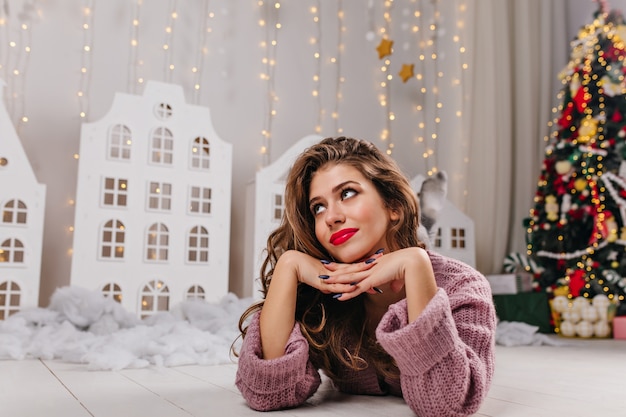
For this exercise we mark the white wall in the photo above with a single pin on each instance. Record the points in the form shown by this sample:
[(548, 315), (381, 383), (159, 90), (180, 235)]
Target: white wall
[(50, 76)]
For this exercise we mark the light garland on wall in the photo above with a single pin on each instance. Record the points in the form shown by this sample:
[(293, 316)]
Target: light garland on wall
[(384, 50), (316, 41), (461, 82), (418, 30), (433, 44), (339, 80), (270, 21), (203, 50), (16, 57), (167, 44), (86, 60), (134, 63)]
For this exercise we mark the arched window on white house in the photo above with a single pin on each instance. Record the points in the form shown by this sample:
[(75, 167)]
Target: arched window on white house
[(112, 242), (162, 146), (200, 153), (198, 245), (157, 243), (12, 251), (14, 212), (195, 292), (120, 141), (155, 297), (113, 291), (10, 294)]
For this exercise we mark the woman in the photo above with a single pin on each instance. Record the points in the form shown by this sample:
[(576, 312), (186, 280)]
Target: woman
[(349, 289)]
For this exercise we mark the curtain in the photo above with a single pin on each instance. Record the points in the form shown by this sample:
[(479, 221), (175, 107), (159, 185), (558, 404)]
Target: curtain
[(518, 47)]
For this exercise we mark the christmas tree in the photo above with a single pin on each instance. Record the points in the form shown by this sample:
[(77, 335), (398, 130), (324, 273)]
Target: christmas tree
[(576, 231)]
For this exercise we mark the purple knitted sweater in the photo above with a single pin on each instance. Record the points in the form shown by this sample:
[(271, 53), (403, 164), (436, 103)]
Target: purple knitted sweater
[(445, 357)]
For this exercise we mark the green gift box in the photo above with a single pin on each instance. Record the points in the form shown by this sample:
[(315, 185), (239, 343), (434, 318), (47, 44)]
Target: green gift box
[(527, 307)]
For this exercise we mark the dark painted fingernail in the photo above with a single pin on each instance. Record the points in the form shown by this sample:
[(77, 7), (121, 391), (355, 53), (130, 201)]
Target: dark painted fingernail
[(337, 295), (353, 283), (379, 251), (324, 261), (370, 260), (324, 276), (378, 290)]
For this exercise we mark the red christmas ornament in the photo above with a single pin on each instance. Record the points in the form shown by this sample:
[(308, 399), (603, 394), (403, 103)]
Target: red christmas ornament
[(576, 282)]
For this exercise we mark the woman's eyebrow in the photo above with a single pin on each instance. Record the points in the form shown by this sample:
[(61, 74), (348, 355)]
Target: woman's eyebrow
[(335, 189)]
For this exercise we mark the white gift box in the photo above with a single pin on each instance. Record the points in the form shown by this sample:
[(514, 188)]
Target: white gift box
[(510, 283)]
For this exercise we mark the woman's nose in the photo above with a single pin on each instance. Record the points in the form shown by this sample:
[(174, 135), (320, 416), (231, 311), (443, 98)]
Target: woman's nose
[(334, 214)]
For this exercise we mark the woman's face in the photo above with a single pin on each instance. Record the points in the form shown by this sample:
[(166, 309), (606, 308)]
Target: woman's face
[(350, 217)]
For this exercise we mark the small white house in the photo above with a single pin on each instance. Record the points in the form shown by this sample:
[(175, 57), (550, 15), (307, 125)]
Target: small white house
[(453, 231), (152, 222), (22, 201), (265, 205), (454, 235)]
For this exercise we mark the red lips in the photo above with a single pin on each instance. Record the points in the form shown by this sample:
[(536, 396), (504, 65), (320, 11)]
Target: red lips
[(342, 236)]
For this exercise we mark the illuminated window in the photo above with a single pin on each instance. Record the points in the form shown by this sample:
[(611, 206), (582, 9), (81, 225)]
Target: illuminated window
[(120, 140), (112, 243), (157, 243), (162, 146), (10, 294), (155, 297), (115, 192), (195, 292), (200, 200), (14, 212), (457, 238), (200, 153), (198, 245), (278, 207), (12, 251), (113, 291), (159, 196)]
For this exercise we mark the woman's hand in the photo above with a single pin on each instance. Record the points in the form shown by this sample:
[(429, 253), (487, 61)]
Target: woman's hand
[(408, 268)]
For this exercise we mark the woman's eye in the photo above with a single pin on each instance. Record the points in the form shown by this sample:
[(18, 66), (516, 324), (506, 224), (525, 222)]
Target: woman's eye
[(347, 193), (317, 209)]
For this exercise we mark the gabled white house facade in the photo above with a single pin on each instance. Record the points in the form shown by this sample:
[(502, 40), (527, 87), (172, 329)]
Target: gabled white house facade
[(22, 205), (453, 234), (152, 220), (265, 206)]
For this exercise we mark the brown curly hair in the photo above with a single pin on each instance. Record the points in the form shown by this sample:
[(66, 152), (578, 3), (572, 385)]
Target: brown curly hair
[(326, 323)]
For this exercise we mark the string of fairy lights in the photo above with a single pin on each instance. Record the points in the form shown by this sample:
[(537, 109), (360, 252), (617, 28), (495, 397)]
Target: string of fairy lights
[(168, 56), (316, 41), (14, 60), (86, 59), (384, 98), (270, 22), (134, 62), (336, 60), (202, 51)]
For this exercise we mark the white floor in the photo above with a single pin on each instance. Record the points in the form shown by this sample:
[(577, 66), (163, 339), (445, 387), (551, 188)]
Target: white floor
[(586, 378)]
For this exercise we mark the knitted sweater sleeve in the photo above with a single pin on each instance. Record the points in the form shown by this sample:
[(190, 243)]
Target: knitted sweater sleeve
[(445, 357), (275, 383)]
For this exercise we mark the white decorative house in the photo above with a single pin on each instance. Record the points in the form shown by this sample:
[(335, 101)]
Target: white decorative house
[(22, 201), (152, 222), (454, 230), (265, 206)]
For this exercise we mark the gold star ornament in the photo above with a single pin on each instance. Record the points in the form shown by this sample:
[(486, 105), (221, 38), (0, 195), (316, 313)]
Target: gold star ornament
[(384, 48), (406, 72)]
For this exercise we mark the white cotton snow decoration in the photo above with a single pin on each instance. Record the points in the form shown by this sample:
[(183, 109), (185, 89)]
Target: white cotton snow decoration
[(82, 326)]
